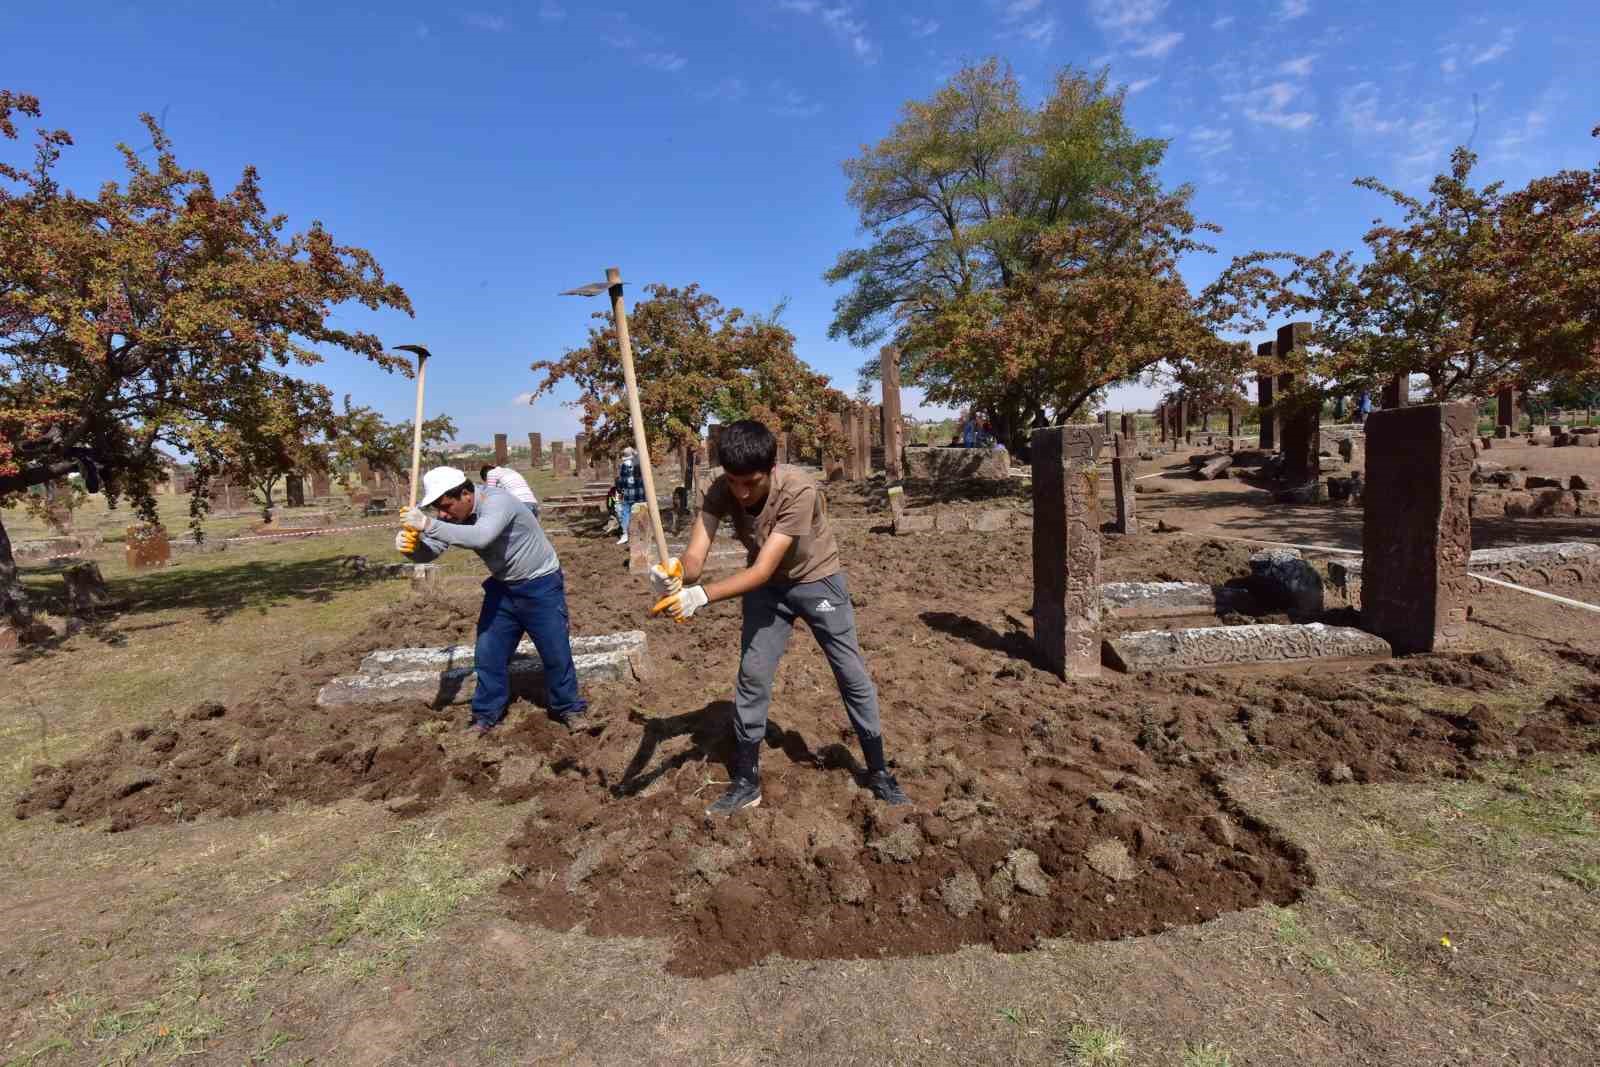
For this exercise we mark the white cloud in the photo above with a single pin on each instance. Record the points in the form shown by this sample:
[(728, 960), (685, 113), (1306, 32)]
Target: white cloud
[(1211, 141), (1448, 65), (1516, 139), (1122, 17), (1222, 22), (1297, 68), (841, 21), (1041, 33), (922, 27), (732, 90), (1158, 47), (1358, 108), (1016, 9), (670, 62), (791, 103), (1133, 22), (1267, 105), (1501, 46), (479, 20), (422, 31), (1141, 85), (550, 11), (1293, 9)]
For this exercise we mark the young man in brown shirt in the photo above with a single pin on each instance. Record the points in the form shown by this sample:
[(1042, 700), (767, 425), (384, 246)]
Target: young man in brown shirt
[(792, 572)]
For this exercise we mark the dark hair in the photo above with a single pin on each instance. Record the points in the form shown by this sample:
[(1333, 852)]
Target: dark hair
[(453, 494), (484, 473), (747, 447)]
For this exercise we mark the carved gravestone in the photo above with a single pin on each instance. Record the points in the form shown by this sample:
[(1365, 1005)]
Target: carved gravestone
[(1507, 411), (1183, 418), (1124, 468), (1265, 398), (893, 426), (833, 467), (713, 439), (1233, 421), (502, 452), (1397, 394), (294, 488), (321, 484), (1416, 533), (535, 450), (864, 420), (560, 462), (86, 589), (146, 546), (1066, 550), (1302, 438), (1129, 425), (580, 454)]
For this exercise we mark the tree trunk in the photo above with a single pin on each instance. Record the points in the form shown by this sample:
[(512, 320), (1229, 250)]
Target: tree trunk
[(13, 598)]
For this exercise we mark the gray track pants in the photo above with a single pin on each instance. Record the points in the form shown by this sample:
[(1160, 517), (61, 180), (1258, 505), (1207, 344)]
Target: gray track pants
[(769, 614)]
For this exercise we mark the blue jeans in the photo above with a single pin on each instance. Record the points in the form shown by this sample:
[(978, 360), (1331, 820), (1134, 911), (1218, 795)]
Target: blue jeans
[(539, 608), (626, 513)]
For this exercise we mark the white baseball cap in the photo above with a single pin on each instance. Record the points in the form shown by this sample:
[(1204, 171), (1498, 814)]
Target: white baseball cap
[(437, 482)]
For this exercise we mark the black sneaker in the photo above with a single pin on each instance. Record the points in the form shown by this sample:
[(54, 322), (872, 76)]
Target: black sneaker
[(741, 793), (886, 789)]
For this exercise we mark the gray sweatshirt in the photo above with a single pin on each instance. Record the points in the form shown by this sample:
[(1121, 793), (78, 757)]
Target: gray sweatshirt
[(502, 531)]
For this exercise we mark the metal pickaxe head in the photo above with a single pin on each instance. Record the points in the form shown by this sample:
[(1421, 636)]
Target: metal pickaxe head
[(422, 353), (613, 280)]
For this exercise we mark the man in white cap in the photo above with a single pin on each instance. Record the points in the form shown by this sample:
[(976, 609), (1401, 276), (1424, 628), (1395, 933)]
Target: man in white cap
[(524, 593), (630, 490)]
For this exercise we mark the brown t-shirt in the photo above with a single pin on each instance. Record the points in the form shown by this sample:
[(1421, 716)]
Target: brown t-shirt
[(793, 507)]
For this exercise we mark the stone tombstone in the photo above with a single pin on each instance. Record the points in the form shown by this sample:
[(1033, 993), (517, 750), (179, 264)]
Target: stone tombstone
[(560, 462), (852, 444), (1105, 417), (580, 453), (86, 588), (875, 424), (893, 424), (1397, 393), (1233, 420), (1183, 417), (714, 435), (502, 451), (535, 450), (1265, 398), (1124, 468), (321, 484), (833, 467), (1416, 531), (1130, 425), (294, 490), (1066, 550), (1507, 410), (1161, 421), (864, 420), (147, 546)]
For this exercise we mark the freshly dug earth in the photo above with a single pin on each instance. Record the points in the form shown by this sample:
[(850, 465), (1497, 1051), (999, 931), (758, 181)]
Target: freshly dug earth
[(1042, 809)]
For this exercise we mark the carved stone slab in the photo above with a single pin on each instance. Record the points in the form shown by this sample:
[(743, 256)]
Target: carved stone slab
[(1158, 600), (1417, 533), (1066, 549), (457, 685), (1216, 646), (1563, 564), (452, 657)]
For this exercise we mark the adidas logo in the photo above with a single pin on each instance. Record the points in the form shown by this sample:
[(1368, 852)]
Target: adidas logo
[(824, 606)]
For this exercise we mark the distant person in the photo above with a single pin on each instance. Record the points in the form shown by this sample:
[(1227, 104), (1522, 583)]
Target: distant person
[(969, 431), (524, 593), (629, 487), (512, 482)]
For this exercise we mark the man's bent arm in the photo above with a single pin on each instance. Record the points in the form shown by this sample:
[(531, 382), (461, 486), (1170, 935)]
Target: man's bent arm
[(694, 555), (493, 518), (754, 576)]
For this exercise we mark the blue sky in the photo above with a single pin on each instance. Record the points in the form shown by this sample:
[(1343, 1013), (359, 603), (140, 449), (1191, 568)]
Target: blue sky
[(491, 154)]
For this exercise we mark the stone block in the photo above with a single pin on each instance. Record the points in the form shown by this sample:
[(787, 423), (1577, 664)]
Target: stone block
[(1588, 440), (1553, 503), (1066, 549), (461, 657), (1344, 580), (147, 546), (992, 519), (1503, 433), (1488, 503), (1586, 502), (1157, 600), (921, 522), (1213, 468), (1563, 564), (1518, 505), (1280, 578), (948, 520), (950, 464), (1217, 646), (1417, 528), (86, 588)]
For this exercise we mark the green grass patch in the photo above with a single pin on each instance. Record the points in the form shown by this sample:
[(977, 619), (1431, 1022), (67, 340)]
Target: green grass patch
[(1094, 1046), (1205, 1055)]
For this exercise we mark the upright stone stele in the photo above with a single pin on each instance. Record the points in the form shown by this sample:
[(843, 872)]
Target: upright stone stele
[(1124, 468), (1507, 420), (321, 484), (833, 467), (1300, 424), (502, 451), (1416, 533), (535, 450), (294, 490), (580, 454), (1130, 427), (1265, 398), (714, 433), (1397, 393), (1183, 418), (1161, 421), (1233, 420), (1066, 550), (893, 426)]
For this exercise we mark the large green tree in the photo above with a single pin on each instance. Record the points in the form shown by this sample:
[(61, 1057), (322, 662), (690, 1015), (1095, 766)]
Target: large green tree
[(694, 360), (152, 314)]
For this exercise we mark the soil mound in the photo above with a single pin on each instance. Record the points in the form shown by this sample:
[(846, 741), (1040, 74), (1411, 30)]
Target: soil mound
[(1042, 809)]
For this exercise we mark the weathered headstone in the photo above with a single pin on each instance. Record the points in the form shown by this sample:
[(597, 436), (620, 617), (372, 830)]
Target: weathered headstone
[(321, 484), (294, 490), (866, 416), (146, 546), (1397, 393), (535, 450), (1506, 422), (1265, 396), (86, 588), (1066, 550), (1417, 534), (580, 454), (502, 451), (833, 466), (1233, 421), (715, 439), (560, 462), (1161, 421), (893, 425), (1130, 428), (1183, 417), (1124, 468)]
